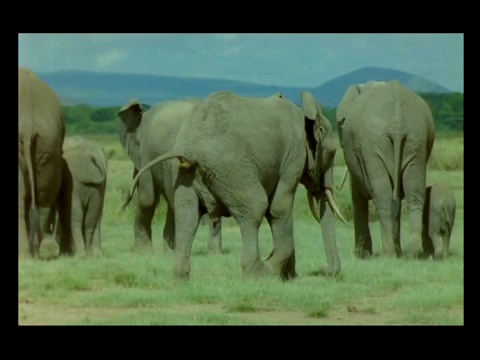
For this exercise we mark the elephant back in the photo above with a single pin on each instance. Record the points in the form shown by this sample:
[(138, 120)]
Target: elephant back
[(86, 160)]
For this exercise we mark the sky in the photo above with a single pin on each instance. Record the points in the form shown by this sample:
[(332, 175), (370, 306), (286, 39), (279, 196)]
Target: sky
[(299, 60)]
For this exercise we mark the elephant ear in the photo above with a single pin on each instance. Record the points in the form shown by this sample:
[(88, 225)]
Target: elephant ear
[(311, 111), (314, 118), (131, 114)]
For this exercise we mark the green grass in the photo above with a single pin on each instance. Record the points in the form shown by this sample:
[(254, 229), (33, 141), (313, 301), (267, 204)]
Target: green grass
[(124, 288)]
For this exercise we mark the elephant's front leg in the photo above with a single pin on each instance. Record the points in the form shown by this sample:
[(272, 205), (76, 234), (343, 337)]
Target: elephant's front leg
[(248, 206), (363, 238), (280, 218), (169, 231), (215, 236), (146, 204), (187, 218)]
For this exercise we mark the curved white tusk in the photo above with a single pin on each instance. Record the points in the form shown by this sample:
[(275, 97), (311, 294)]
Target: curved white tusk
[(334, 206)]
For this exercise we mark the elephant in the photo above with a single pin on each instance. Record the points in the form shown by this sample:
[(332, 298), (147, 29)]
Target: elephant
[(84, 181), (387, 134), (146, 135), (41, 131), (244, 157), (438, 220)]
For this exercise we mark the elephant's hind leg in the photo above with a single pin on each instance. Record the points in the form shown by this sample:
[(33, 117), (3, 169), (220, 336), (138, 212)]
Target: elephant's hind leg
[(92, 223), (414, 182), (146, 204), (187, 218), (280, 218), (363, 238)]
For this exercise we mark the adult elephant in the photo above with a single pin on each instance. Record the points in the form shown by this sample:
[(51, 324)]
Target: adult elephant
[(146, 135), (387, 133), (41, 132), (244, 157), (438, 220), (84, 183)]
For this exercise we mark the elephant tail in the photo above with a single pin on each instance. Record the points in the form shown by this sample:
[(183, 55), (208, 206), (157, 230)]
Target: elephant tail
[(184, 163), (29, 152), (398, 145)]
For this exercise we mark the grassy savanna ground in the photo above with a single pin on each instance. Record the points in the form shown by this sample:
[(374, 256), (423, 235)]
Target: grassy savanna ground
[(123, 288)]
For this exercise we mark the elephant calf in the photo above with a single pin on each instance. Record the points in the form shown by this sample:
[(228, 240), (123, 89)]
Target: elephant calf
[(438, 220), (83, 191)]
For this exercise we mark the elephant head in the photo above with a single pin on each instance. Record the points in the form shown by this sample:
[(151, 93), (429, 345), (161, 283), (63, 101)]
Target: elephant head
[(130, 119), (321, 149)]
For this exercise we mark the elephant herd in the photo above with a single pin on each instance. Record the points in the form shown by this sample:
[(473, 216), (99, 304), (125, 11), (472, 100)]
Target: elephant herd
[(234, 156)]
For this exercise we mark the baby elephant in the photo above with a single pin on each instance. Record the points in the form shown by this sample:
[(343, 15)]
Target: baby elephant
[(438, 220), (83, 190)]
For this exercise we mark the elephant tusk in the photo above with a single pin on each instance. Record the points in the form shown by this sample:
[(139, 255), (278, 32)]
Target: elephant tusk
[(343, 180), (312, 206), (334, 206)]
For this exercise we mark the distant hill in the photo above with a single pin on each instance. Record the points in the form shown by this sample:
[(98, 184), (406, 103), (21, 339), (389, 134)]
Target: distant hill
[(114, 89), (330, 93)]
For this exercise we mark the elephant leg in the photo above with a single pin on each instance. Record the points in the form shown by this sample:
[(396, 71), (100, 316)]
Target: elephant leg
[(23, 206), (363, 238), (384, 205), (215, 236), (187, 218), (414, 182), (77, 221), (146, 204), (63, 228), (92, 223), (386, 208), (280, 218), (437, 244), (248, 209), (169, 231)]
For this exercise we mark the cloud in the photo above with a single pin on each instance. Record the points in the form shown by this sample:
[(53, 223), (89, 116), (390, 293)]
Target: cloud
[(104, 61)]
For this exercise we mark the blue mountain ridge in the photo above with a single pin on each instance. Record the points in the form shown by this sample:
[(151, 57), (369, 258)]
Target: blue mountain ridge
[(114, 89)]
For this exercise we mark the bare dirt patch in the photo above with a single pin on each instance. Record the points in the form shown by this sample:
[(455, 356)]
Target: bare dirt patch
[(45, 313)]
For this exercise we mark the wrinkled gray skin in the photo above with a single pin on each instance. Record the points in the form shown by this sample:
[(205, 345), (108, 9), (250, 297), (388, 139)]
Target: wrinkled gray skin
[(438, 220), (83, 189), (387, 133), (41, 131), (146, 135), (244, 157)]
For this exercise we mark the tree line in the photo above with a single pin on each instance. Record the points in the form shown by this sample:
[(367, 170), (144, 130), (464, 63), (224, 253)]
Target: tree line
[(447, 110)]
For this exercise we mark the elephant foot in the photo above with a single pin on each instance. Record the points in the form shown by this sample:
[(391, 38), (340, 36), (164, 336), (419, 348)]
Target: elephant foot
[(181, 270), (215, 251), (143, 248), (413, 251), (49, 249), (363, 254), (389, 254), (257, 269), (326, 271), (439, 254)]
